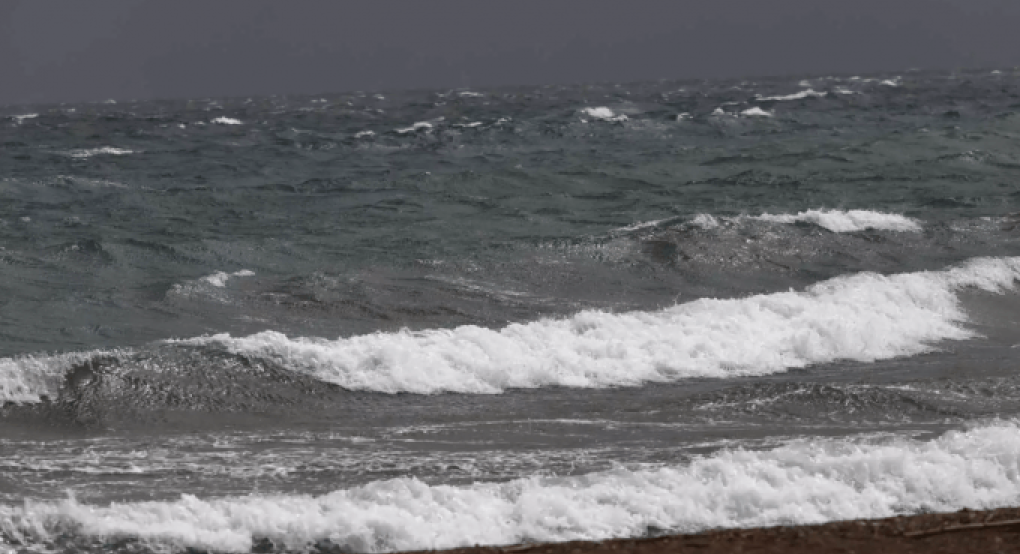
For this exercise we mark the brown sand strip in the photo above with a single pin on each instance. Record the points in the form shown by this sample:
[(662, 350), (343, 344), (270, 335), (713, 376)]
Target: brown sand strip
[(956, 528), (963, 532)]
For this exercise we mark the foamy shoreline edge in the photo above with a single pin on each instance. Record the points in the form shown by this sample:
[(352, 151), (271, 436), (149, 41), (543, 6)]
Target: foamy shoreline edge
[(962, 531)]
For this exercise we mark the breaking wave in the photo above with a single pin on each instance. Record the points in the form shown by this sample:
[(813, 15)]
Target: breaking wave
[(862, 317), (808, 481)]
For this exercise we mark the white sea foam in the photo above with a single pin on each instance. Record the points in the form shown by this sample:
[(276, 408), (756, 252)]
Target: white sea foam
[(219, 279), (705, 221), (809, 93), (209, 287), (756, 112), (638, 225), (603, 113), (226, 121), (105, 150), (863, 317), (808, 481), (840, 221), (26, 379), (19, 119), (416, 127), (364, 134)]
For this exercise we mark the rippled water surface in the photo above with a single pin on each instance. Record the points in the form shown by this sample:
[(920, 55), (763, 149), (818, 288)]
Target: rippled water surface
[(424, 319)]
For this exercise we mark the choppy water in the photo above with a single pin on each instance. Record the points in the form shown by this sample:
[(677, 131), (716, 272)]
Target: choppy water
[(365, 322)]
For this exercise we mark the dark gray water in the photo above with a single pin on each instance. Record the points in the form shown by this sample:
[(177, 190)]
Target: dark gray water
[(431, 318)]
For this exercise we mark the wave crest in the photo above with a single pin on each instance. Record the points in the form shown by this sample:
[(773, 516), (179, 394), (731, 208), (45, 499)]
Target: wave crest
[(863, 317)]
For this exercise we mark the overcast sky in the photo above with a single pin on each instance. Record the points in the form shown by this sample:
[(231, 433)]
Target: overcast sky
[(80, 50)]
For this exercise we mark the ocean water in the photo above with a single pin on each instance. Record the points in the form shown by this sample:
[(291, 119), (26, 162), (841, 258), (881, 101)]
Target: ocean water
[(369, 322)]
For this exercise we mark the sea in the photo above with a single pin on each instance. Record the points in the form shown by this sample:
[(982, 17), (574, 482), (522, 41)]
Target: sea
[(370, 322)]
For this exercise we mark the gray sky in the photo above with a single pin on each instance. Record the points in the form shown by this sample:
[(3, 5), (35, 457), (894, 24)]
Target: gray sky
[(70, 50)]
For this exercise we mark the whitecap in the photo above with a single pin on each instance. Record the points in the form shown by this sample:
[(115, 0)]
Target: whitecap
[(639, 225), (220, 278), (420, 126), (705, 221), (105, 150), (603, 113), (226, 121), (19, 119), (840, 221), (756, 112), (208, 287), (809, 93)]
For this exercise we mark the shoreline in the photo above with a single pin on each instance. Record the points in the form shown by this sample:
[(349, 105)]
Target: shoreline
[(963, 532)]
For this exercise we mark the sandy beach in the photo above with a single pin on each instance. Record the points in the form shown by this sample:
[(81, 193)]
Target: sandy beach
[(961, 532)]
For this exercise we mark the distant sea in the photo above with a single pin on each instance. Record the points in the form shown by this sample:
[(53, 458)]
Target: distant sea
[(369, 322)]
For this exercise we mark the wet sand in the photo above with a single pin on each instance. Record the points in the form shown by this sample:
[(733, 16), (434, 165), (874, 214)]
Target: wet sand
[(961, 532)]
